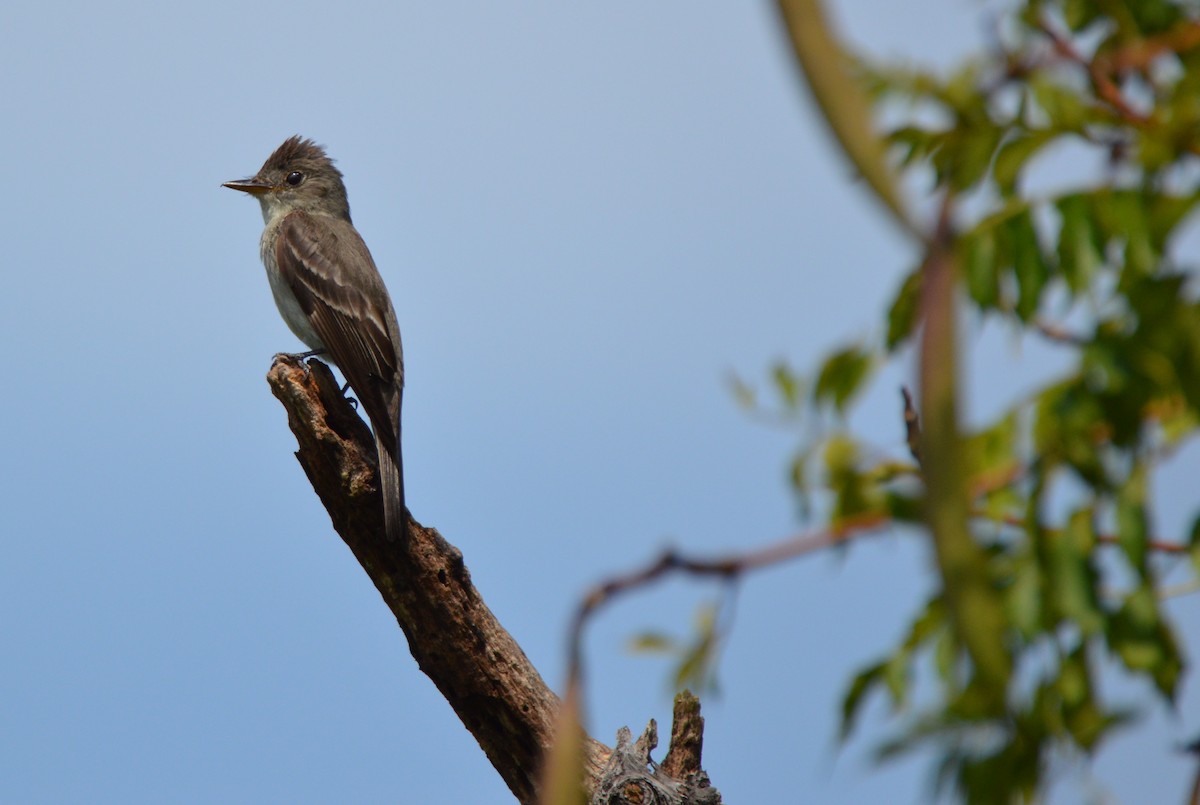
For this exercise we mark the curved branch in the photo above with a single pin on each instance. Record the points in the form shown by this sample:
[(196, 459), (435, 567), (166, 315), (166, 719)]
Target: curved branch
[(454, 637), (731, 566)]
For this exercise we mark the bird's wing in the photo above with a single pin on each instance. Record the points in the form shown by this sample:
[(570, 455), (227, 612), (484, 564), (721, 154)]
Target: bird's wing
[(330, 270)]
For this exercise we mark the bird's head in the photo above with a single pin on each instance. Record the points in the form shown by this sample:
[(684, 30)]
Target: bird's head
[(298, 176)]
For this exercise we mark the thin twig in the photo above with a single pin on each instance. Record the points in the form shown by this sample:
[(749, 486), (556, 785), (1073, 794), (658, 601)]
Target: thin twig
[(1058, 334), (1139, 55), (912, 424), (1102, 84), (1016, 521), (726, 567)]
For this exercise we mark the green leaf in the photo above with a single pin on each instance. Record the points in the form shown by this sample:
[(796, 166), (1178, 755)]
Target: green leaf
[(653, 643), (902, 315), (788, 384), (981, 266), (1029, 264), (966, 154), (1014, 155), (1067, 419), (927, 625), (1023, 597), (743, 392), (1165, 214), (1158, 348), (853, 493), (1155, 16), (1145, 644), (1121, 216), (961, 93), (1063, 106), (1080, 247), (842, 376), (1132, 524), (992, 452), (896, 676), (904, 509), (799, 471), (697, 661), (1078, 14), (863, 683), (1072, 578), (1082, 714), (798, 475), (913, 144), (945, 656)]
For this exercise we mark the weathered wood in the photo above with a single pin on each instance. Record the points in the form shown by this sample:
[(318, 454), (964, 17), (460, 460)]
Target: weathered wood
[(687, 737), (631, 778), (456, 640), (454, 637)]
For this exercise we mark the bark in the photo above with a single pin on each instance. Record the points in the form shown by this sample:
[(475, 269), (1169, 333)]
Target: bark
[(631, 778), (687, 737), (454, 637)]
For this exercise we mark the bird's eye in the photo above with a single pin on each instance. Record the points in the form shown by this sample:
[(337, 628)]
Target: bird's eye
[(294, 178)]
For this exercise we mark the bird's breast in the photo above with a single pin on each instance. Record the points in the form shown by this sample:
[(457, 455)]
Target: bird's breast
[(289, 306)]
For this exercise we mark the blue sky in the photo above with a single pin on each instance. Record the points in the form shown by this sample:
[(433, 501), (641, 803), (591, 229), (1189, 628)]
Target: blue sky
[(588, 217)]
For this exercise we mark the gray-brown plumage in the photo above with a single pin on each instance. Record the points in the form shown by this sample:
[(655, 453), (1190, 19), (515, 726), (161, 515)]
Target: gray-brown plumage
[(330, 294)]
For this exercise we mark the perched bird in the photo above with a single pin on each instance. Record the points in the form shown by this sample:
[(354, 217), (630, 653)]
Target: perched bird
[(330, 294)]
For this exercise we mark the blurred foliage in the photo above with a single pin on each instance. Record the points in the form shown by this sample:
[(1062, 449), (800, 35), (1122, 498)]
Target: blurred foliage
[(695, 661), (1042, 522)]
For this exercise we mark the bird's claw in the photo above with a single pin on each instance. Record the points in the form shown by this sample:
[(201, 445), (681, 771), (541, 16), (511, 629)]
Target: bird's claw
[(297, 357), (351, 400)]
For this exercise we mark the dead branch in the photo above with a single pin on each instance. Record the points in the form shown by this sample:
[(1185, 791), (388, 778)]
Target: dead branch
[(454, 637)]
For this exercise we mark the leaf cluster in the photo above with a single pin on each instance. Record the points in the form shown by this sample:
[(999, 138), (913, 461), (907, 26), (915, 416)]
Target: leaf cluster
[(1056, 512)]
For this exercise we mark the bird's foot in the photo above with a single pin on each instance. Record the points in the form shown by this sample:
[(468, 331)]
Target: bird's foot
[(352, 401), (297, 357)]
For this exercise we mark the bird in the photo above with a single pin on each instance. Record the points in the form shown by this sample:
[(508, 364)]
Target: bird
[(331, 295)]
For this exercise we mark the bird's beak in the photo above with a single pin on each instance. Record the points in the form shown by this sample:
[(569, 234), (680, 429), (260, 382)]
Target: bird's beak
[(252, 186)]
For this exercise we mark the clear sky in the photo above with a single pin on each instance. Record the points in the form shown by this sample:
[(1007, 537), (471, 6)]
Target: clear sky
[(588, 216)]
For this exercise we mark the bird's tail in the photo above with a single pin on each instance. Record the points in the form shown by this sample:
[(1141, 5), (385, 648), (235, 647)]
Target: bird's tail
[(391, 484)]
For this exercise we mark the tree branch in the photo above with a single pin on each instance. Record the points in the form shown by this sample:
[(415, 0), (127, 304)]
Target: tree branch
[(1102, 83), (687, 737), (731, 566), (454, 637)]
